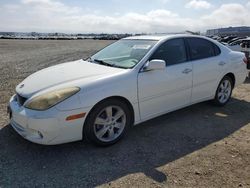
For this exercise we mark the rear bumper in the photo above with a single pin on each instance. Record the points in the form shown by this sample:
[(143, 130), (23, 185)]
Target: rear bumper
[(46, 127)]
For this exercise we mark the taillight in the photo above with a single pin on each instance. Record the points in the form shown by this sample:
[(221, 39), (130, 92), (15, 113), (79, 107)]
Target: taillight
[(245, 60)]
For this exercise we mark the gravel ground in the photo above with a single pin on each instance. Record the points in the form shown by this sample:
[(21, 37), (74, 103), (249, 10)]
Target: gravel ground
[(199, 146)]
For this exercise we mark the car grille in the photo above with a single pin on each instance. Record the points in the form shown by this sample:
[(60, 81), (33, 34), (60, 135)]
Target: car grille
[(20, 99)]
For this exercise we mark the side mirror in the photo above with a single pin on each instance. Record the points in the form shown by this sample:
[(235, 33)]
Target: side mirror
[(155, 64)]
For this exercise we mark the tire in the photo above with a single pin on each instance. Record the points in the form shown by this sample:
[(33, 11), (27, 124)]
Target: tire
[(107, 122), (224, 91)]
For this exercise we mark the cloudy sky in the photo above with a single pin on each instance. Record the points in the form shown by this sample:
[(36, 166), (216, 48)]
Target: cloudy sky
[(120, 16)]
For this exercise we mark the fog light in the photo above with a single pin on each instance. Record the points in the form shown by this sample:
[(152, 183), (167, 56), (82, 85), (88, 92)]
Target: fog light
[(34, 134), (40, 134)]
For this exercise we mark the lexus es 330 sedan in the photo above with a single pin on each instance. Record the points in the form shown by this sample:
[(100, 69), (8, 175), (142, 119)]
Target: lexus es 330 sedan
[(130, 81)]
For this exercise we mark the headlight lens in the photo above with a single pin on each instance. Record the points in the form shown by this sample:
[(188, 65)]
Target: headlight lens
[(47, 100)]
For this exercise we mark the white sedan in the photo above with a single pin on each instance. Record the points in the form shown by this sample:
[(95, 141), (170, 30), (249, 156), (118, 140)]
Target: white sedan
[(132, 80)]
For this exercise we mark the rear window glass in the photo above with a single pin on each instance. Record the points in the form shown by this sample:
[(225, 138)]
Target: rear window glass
[(202, 48), (217, 50)]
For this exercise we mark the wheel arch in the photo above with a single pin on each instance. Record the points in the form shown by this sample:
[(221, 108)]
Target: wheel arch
[(123, 99), (232, 76)]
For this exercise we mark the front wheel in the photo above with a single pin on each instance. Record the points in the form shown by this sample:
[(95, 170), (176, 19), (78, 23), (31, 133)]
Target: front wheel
[(224, 91), (107, 122)]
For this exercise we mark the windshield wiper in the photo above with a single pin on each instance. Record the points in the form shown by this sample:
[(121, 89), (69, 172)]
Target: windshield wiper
[(103, 62), (108, 64)]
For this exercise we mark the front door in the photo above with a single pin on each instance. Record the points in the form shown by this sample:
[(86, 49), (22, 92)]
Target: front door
[(161, 91)]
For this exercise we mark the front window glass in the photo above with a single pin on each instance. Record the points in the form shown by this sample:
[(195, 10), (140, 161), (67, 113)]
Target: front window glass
[(124, 53), (172, 52)]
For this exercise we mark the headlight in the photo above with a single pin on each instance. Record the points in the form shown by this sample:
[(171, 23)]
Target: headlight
[(47, 100)]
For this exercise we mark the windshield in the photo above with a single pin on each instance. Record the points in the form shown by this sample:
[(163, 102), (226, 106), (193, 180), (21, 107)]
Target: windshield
[(124, 53)]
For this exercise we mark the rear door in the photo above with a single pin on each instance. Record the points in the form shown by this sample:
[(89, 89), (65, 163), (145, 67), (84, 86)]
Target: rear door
[(207, 67)]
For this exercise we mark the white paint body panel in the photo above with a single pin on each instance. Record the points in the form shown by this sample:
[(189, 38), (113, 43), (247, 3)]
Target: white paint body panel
[(205, 75), (236, 47), (164, 90), (150, 93)]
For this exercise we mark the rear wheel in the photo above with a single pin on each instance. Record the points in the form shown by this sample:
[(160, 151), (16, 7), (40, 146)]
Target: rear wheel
[(224, 91), (107, 122)]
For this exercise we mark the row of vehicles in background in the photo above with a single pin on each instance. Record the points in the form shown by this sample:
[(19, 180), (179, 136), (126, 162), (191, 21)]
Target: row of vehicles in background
[(236, 43)]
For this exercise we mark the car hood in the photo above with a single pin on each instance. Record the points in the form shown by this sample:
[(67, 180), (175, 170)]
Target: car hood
[(63, 74)]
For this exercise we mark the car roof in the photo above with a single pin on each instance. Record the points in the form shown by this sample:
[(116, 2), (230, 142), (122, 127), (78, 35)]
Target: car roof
[(161, 37), (246, 39)]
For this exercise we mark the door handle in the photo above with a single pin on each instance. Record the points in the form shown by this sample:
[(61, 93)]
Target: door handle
[(222, 63), (186, 71)]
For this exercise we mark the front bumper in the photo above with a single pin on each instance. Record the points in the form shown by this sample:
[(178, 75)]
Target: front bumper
[(27, 133), (46, 127)]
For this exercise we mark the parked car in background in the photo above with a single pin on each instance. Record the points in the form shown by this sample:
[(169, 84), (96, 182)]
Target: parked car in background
[(245, 44), (226, 39), (236, 39), (235, 45), (245, 47), (132, 80)]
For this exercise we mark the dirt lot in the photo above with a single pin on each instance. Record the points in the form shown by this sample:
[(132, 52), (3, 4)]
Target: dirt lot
[(199, 146)]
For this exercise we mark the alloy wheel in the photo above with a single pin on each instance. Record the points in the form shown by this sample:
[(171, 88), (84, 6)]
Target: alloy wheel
[(109, 123), (224, 91)]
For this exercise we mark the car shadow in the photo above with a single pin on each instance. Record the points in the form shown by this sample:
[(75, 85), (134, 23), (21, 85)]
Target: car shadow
[(145, 148)]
